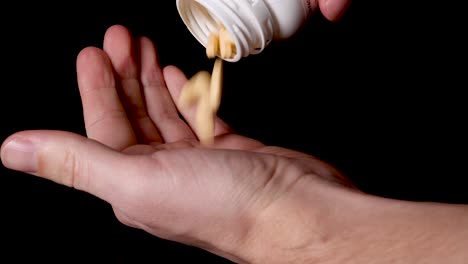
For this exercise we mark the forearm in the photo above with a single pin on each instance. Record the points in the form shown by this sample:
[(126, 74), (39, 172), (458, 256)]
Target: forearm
[(317, 223), (407, 232)]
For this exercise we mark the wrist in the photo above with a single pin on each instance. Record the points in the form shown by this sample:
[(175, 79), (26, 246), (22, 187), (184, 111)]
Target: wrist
[(319, 222), (302, 225)]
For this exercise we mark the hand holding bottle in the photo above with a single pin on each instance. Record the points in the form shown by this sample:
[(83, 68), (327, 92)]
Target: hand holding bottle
[(253, 25)]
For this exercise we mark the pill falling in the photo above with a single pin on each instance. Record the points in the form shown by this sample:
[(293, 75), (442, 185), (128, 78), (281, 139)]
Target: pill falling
[(204, 89)]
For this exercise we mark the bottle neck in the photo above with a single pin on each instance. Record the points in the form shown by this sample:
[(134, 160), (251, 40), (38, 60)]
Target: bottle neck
[(249, 23)]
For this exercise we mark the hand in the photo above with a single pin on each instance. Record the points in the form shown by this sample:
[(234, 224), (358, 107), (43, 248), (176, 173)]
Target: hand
[(145, 160), (332, 10), (239, 198)]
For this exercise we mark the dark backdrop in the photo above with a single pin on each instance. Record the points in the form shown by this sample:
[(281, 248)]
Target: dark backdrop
[(379, 95)]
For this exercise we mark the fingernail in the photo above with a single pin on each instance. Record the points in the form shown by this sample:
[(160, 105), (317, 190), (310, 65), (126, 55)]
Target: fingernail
[(20, 154)]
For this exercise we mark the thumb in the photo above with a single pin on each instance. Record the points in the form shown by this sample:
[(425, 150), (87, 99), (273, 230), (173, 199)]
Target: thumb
[(69, 159)]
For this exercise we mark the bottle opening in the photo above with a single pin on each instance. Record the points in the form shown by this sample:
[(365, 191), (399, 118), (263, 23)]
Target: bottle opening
[(200, 21), (249, 23)]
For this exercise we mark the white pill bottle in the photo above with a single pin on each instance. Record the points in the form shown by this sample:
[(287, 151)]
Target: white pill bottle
[(252, 24)]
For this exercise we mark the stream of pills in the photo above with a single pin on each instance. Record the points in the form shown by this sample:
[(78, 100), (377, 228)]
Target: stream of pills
[(204, 89)]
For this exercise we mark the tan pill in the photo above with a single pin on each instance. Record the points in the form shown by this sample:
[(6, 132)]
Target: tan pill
[(197, 91), (205, 89), (212, 48), (194, 88), (220, 44), (224, 50), (205, 121), (216, 84), (226, 44)]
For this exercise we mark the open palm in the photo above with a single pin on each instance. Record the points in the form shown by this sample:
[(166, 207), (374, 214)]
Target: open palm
[(142, 156)]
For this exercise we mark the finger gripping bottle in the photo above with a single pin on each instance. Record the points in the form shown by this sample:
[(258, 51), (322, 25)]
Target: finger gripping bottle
[(252, 24)]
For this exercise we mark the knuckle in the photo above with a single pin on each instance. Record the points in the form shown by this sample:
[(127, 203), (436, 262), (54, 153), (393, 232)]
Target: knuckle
[(74, 170)]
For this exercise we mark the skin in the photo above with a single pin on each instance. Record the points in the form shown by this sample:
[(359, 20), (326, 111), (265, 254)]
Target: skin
[(332, 10), (237, 198)]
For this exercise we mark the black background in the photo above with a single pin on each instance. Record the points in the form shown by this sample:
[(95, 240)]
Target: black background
[(379, 94)]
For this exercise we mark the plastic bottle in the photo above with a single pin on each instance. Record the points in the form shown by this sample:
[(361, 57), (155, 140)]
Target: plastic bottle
[(252, 24)]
